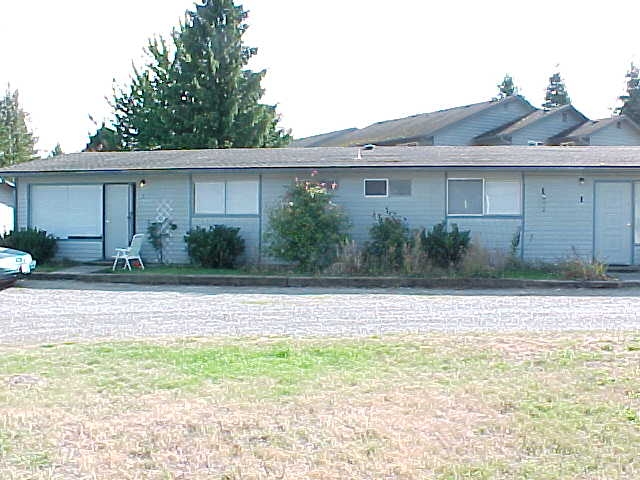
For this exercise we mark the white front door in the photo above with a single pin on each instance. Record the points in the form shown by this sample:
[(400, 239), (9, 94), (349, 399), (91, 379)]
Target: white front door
[(613, 233), (117, 217)]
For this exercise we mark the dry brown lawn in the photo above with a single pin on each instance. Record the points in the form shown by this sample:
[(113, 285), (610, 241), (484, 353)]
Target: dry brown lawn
[(463, 406)]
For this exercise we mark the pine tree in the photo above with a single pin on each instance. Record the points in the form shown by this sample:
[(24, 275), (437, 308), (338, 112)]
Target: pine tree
[(631, 101), (57, 151), (195, 91), (104, 140), (17, 143), (556, 92), (507, 88)]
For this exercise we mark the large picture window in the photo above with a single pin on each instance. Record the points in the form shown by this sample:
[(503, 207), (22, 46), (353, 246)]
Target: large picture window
[(67, 211), (477, 196), (233, 197)]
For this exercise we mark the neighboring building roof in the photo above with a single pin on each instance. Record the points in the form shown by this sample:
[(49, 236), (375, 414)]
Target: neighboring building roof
[(319, 140), (527, 121), (415, 127), (336, 157), (590, 127)]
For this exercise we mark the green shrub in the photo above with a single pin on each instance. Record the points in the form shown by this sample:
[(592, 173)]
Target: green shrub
[(306, 227), (445, 248), (389, 238), (41, 246), (218, 247)]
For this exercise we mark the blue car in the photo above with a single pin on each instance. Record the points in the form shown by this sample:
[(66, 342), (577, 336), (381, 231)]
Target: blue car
[(15, 261)]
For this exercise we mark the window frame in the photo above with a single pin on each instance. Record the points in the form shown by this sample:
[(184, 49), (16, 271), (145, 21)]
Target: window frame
[(225, 207), (484, 198), (485, 207), (224, 199), (364, 187), (482, 213)]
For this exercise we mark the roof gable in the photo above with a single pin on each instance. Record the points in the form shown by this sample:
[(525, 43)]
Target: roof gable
[(588, 128), (528, 121)]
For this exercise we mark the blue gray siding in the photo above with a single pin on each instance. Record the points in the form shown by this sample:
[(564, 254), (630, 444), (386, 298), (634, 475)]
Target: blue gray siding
[(558, 226), (612, 135), (465, 131), (554, 229), (160, 189), (6, 194), (249, 225), (546, 128)]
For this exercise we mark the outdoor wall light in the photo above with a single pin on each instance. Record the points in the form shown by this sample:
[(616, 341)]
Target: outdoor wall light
[(142, 183), (581, 180)]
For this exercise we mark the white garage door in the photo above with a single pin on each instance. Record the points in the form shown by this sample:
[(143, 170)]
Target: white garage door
[(67, 211)]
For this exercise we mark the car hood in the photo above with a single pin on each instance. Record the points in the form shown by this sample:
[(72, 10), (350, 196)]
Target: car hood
[(10, 252)]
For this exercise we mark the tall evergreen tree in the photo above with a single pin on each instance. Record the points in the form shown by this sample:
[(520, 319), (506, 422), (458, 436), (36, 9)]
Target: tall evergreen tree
[(556, 92), (195, 91), (17, 143), (507, 88), (631, 100)]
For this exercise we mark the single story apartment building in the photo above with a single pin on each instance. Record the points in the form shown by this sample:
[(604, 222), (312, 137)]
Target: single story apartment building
[(561, 201)]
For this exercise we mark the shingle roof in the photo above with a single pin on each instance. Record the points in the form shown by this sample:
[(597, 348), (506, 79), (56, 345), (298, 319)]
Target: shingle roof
[(408, 129), (336, 157), (526, 121), (319, 140)]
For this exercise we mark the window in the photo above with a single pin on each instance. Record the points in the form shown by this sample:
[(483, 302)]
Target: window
[(465, 196), (67, 211), (502, 198), (233, 197), (477, 196), (400, 188), (376, 187), (209, 197)]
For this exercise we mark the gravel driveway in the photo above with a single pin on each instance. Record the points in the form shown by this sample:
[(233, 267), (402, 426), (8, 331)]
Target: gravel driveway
[(52, 311)]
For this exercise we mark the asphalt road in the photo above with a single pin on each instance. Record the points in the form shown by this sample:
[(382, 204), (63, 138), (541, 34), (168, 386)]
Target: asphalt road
[(38, 311)]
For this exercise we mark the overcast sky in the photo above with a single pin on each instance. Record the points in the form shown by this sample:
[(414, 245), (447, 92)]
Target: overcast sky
[(330, 65)]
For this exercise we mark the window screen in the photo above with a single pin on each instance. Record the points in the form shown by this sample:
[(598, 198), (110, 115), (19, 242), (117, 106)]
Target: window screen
[(375, 188), (209, 197), (502, 197), (465, 197), (67, 211), (233, 197), (400, 188), (242, 197)]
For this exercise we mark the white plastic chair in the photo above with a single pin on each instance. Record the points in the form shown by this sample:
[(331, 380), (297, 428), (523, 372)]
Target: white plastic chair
[(130, 253)]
